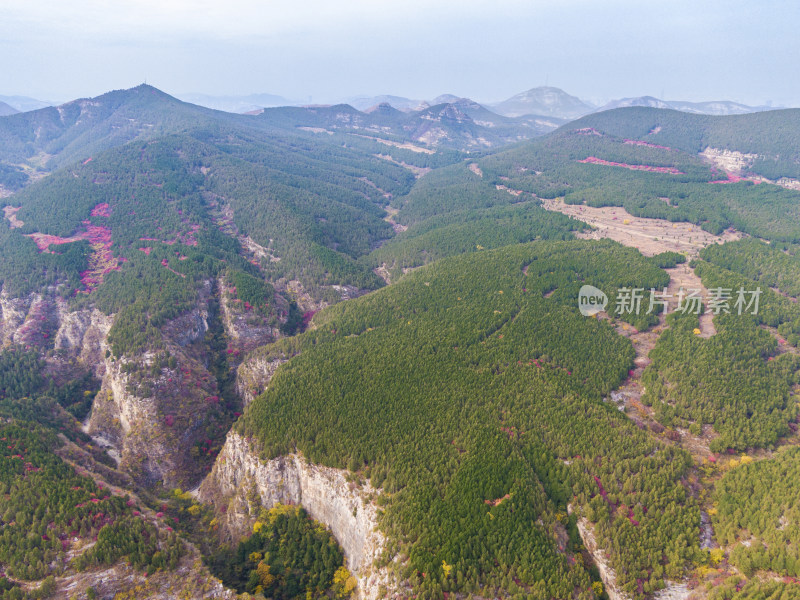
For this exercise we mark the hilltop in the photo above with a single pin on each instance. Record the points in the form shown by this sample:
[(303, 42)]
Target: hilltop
[(546, 101)]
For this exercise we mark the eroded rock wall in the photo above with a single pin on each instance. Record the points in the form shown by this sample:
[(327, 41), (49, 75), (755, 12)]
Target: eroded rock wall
[(156, 416), (607, 573), (254, 374), (346, 508)]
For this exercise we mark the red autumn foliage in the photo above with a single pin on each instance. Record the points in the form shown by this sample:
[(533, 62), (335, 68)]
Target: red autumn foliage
[(101, 210)]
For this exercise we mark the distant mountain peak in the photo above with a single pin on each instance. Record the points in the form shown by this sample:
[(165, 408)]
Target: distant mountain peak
[(546, 101), (382, 108), (445, 99), (446, 112)]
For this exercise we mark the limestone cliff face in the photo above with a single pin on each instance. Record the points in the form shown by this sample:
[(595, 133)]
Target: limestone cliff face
[(345, 507), (13, 312), (247, 332), (155, 416), (44, 321), (30, 321), (607, 573), (151, 431), (82, 335), (245, 328), (254, 374)]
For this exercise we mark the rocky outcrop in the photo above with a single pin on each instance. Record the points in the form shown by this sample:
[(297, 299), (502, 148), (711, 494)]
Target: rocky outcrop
[(159, 414), (607, 574), (673, 591), (240, 476), (13, 312), (739, 163), (729, 160), (156, 409), (254, 374), (29, 321), (246, 328), (82, 335), (44, 321)]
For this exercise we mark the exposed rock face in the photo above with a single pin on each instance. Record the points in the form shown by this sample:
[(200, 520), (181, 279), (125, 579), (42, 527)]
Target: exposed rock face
[(30, 321), (45, 322), (729, 160), (254, 374), (13, 312), (673, 591), (324, 492), (152, 432), (82, 335), (607, 573), (156, 416), (152, 417), (246, 329), (303, 298), (737, 163)]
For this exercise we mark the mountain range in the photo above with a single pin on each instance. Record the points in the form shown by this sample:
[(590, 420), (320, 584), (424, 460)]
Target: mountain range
[(354, 336), (543, 101), (236, 104)]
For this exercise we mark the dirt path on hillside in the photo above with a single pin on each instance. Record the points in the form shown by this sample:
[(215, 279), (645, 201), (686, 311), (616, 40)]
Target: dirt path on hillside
[(651, 237)]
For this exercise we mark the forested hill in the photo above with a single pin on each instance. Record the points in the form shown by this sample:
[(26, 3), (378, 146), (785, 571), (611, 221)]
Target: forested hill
[(772, 135), (458, 125), (59, 135), (584, 164), (53, 137), (470, 393), (169, 213)]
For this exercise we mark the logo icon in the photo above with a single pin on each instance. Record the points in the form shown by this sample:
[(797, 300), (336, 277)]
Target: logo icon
[(591, 300)]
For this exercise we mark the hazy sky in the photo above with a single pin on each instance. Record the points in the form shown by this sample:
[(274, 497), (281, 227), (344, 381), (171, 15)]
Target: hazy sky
[(328, 49)]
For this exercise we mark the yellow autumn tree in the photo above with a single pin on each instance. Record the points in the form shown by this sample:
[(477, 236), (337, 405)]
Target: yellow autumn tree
[(343, 583), (446, 569), (264, 576)]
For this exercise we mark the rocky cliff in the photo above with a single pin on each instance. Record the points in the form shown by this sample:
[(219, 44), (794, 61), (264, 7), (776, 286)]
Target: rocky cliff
[(607, 573), (159, 414), (254, 374), (245, 328), (345, 507), (45, 322), (162, 411)]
